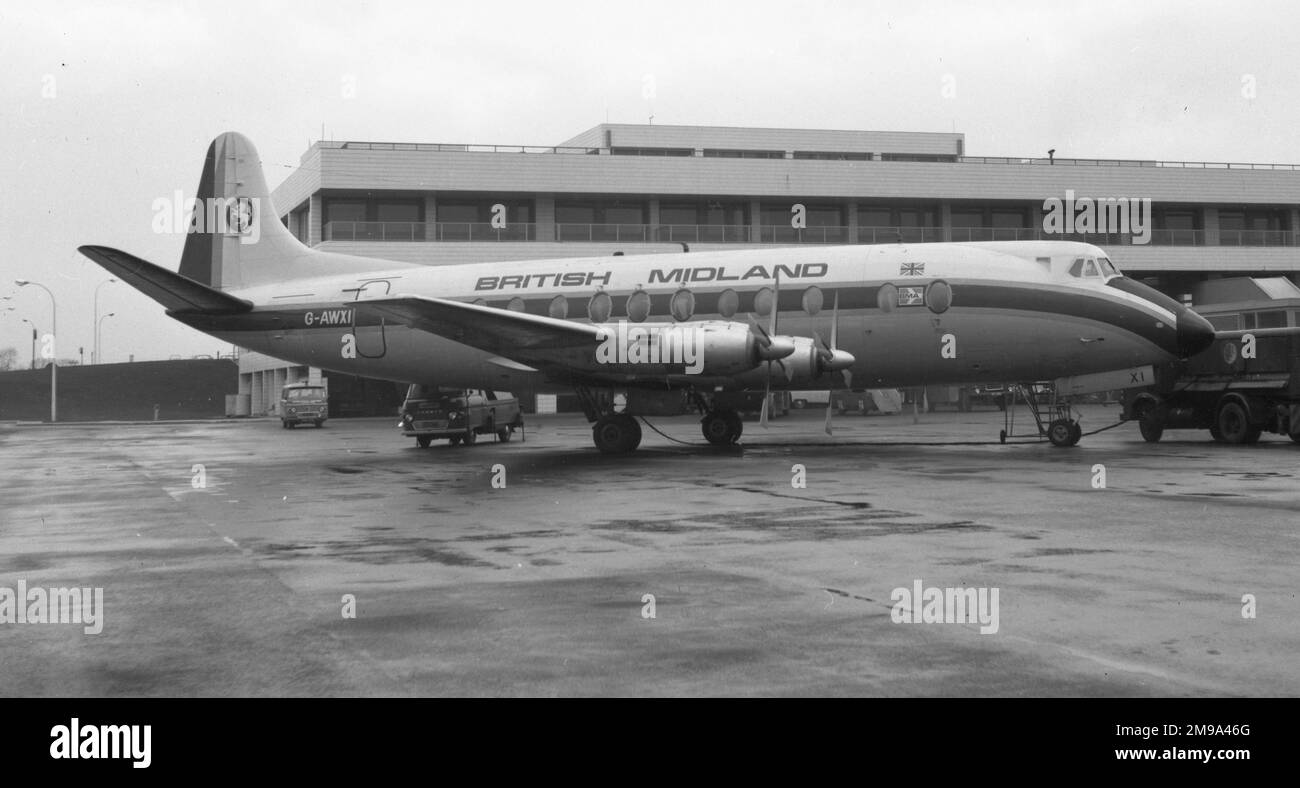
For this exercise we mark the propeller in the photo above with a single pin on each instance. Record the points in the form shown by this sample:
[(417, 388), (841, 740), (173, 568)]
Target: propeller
[(771, 334), (832, 359)]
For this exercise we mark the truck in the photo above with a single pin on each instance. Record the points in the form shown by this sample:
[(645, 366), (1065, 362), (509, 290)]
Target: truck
[(303, 403), (1246, 383), (459, 415)]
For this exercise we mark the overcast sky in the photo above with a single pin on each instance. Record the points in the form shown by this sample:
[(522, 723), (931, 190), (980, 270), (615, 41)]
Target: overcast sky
[(109, 106)]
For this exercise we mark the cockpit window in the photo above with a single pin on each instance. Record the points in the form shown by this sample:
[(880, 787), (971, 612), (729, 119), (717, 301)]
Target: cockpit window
[(1108, 268), (1087, 267)]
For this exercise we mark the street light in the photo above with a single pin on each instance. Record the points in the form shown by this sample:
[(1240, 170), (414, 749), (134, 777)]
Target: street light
[(54, 335), (33, 325), (94, 353), (96, 358)]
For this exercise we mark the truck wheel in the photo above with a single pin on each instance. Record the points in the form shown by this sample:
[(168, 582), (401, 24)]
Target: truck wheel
[(1234, 424), (1151, 432), (503, 434), (423, 441), (454, 440), (470, 437), (319, 423), (1295, 436)]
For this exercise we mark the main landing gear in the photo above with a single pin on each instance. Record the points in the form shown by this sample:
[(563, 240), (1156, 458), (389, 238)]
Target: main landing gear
[(612, 432), (721, 427), (616, 433)]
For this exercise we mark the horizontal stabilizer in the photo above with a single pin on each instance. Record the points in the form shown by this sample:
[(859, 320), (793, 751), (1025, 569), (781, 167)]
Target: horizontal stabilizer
[(175, 292)]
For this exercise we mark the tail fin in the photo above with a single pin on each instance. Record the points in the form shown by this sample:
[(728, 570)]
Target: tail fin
[(236, 238)]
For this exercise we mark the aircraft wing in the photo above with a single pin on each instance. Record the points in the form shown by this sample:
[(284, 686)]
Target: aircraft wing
[(510, 334)]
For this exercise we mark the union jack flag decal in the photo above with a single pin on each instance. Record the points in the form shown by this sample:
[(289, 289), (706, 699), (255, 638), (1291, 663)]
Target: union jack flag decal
[(911, 269)]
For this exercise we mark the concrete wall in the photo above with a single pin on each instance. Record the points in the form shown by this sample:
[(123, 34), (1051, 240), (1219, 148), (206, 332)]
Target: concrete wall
[(183, 389)]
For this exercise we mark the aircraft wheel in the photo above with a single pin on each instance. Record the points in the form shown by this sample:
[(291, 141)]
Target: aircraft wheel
[(633, 431), (616, 434), (423, 441), (721, 427), (1061, 433), (1234, 425), (1077, 431), (1151, 432)]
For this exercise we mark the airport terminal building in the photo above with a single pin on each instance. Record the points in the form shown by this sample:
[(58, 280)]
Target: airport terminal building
[(640, 189)]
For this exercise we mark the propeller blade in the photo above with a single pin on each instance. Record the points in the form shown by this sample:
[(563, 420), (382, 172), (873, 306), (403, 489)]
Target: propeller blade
[(767, 396), (829, 358), (776, 300), (835, 321)]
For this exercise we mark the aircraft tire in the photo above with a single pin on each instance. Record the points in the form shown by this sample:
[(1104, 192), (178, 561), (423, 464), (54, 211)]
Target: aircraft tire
[(616, 434), (1061, 433), (721, 427)]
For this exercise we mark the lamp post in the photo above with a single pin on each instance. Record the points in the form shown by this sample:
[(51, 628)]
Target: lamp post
[(33, 325), (94, 353), (98, 358), (54, 334)]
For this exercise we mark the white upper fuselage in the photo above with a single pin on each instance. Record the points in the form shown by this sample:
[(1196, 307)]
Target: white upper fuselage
[(910, 315)]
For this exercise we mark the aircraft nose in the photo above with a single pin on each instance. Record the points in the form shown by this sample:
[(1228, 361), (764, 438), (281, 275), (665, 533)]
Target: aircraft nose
[(1194, 333)]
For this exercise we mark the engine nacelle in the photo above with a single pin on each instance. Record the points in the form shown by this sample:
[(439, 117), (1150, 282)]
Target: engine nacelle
[(803, 366)]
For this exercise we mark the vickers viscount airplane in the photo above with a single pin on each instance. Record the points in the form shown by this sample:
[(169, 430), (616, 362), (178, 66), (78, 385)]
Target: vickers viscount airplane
[(663, 329)]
